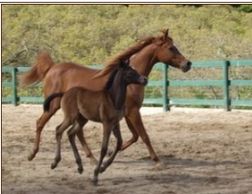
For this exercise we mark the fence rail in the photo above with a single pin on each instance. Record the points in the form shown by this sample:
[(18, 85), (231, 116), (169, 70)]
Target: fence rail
[(225, 83)]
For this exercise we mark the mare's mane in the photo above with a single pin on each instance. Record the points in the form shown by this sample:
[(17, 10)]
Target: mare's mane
[(114, 61)]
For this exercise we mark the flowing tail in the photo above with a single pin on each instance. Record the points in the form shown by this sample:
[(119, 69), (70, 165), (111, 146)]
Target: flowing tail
[(37, 73), (48, 100)]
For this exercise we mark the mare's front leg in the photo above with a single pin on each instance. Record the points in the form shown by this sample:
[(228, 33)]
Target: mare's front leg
[(59, 131), (117, 134), (55, 105), (135, 124), (106, 134)]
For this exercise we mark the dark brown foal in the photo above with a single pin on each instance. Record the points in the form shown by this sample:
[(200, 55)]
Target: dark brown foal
[(107, 107)]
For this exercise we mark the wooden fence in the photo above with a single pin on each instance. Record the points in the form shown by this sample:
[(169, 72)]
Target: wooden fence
[(10, 81)]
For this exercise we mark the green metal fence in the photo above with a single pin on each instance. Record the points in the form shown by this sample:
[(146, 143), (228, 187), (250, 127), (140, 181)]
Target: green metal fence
[(10, 82)]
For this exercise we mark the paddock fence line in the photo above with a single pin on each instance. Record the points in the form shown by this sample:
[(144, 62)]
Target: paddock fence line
[(11, 92)]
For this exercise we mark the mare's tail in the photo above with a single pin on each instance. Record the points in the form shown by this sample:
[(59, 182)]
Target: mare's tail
[(48, 100), (37, 73)]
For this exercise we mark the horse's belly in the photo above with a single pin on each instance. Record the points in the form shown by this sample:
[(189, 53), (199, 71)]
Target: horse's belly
[(90, 109)]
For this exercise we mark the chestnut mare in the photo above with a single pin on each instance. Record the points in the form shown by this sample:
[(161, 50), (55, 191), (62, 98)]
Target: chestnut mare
[(61, 77), (107, 107)]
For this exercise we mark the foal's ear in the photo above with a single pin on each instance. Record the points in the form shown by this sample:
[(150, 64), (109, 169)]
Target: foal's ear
[(124, 63)]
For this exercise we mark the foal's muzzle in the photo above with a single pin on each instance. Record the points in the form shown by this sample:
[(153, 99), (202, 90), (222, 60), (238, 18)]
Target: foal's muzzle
[(143, 80)]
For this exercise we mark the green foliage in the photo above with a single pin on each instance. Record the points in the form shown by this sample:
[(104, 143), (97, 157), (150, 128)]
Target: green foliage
[(89, 34), (244, 8)]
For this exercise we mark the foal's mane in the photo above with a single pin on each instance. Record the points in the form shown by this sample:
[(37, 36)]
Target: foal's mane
[(114, 61), (111, 79)]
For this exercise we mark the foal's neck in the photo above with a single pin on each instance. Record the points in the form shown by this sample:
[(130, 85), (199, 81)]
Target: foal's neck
[(118, 91), (144, 60)]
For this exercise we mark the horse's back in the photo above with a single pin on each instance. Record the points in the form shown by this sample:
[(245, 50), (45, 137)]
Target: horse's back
[(64, 76)]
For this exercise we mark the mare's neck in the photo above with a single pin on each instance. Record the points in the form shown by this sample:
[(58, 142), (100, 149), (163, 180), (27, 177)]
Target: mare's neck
[(117, 93), (144, 60)]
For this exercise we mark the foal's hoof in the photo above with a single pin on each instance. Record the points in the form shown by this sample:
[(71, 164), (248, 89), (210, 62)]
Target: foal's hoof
[(95, 181), (31, 156), (53, 165), (80, 170)]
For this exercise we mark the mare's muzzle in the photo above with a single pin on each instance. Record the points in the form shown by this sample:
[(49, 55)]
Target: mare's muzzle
[(186, 66)]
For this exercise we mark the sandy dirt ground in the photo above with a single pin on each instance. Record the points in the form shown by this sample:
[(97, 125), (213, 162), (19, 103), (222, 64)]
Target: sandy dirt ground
[(203, 151)]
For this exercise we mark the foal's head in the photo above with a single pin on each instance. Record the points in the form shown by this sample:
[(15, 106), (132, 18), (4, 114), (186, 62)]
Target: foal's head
[(130, 75), (168, 53), (125, 75)]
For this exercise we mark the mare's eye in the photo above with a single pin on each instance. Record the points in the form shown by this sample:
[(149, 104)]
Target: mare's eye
[(173, 49)]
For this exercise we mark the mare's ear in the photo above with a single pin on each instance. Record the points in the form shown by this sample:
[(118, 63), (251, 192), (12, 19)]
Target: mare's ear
[(165, 33)]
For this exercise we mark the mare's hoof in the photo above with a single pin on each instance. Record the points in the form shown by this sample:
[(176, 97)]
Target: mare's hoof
[(80, 170), (159, 166)]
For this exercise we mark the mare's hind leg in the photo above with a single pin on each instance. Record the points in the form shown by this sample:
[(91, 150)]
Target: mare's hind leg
[(59, 131), (134, 134), (71, 136), (117, 134), (55, 105), (106, 134), (82, 121), (137, 125)]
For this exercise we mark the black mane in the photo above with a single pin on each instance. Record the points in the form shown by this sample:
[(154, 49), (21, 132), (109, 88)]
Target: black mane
[(111, 79)]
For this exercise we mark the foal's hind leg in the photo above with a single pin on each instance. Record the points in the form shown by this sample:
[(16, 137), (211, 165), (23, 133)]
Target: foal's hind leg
[(55, 105), (59, 131), (71, 136), (117, 134)]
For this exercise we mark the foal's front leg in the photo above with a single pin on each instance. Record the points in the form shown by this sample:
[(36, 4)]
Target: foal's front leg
[(71, 136), (106, 134), (117, 134)]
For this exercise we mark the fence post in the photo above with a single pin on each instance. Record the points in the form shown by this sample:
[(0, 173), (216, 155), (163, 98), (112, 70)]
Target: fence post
[(227, 100), (14, 86), (166, 106)]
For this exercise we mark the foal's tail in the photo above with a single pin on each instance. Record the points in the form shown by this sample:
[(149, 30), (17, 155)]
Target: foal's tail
[(47, 101), (37, 73)]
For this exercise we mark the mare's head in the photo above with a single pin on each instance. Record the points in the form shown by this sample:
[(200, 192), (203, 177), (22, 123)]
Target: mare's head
[(167, 52)]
